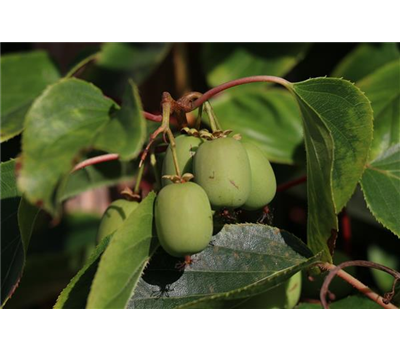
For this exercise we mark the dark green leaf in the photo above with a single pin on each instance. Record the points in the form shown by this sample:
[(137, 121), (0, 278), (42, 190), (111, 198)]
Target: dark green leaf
[(381, 186), (17, 221), (365, 59), (241, 261), (268, 117), (338, 133), (23, 77), (61, 124), (382, 88), (75, 295), (228, 61), (125, 258), (125, 133)]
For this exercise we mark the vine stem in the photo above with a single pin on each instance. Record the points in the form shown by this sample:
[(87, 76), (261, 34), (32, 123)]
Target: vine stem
[(337, 270), (248, 80), (201, 98), (285, 186), (96, 160)]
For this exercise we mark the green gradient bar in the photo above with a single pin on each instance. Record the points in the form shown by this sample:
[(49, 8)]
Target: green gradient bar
[(26, 329), (105, 329)]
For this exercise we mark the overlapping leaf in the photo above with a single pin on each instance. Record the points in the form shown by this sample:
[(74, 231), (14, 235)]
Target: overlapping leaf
[(125, 133), (66, 120), (381, 186), (17, 221), (62, 122), (23, 77), (365, 59), (75, 295), (241, 261), (123, 262), (382, 88), (338, 133)]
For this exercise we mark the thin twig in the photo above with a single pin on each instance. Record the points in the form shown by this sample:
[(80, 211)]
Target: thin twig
[(285, 186), (96, 160), (337, 270), (254, 79)]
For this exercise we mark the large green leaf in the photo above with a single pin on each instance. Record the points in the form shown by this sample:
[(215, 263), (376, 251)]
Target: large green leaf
[(125, 258), (17, 221), (241, 261), (23, 77), (268, 117), (381, 186), (125, 133), (382, 88), (338, 132), (60, 125), (75, 295), (365, 59), (227, 61)]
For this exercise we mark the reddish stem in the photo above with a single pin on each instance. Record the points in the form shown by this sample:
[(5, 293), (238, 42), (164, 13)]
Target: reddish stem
[(152, 117), (96, 160), (254, 79), (346, 230), (291, 184)]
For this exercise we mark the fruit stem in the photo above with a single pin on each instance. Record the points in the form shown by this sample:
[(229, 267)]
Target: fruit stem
[(138, 180), (198, 120), (173, 149), (166, 107), (337, 270), (212, 117)]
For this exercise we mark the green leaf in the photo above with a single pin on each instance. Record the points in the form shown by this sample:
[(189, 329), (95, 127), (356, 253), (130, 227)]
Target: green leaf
[(125, 258), (17, 221), (351, 302), (338, 132), (382, 88), (61, 124), (75, 295), (125, 133), (381, 186), (365, 59), (268, 117), (23, 77), (98, 175), (241, 261), (228, 61)]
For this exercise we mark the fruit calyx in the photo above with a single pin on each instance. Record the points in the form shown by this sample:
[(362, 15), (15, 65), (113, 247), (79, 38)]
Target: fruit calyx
[(179, 179), (130, 196)]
